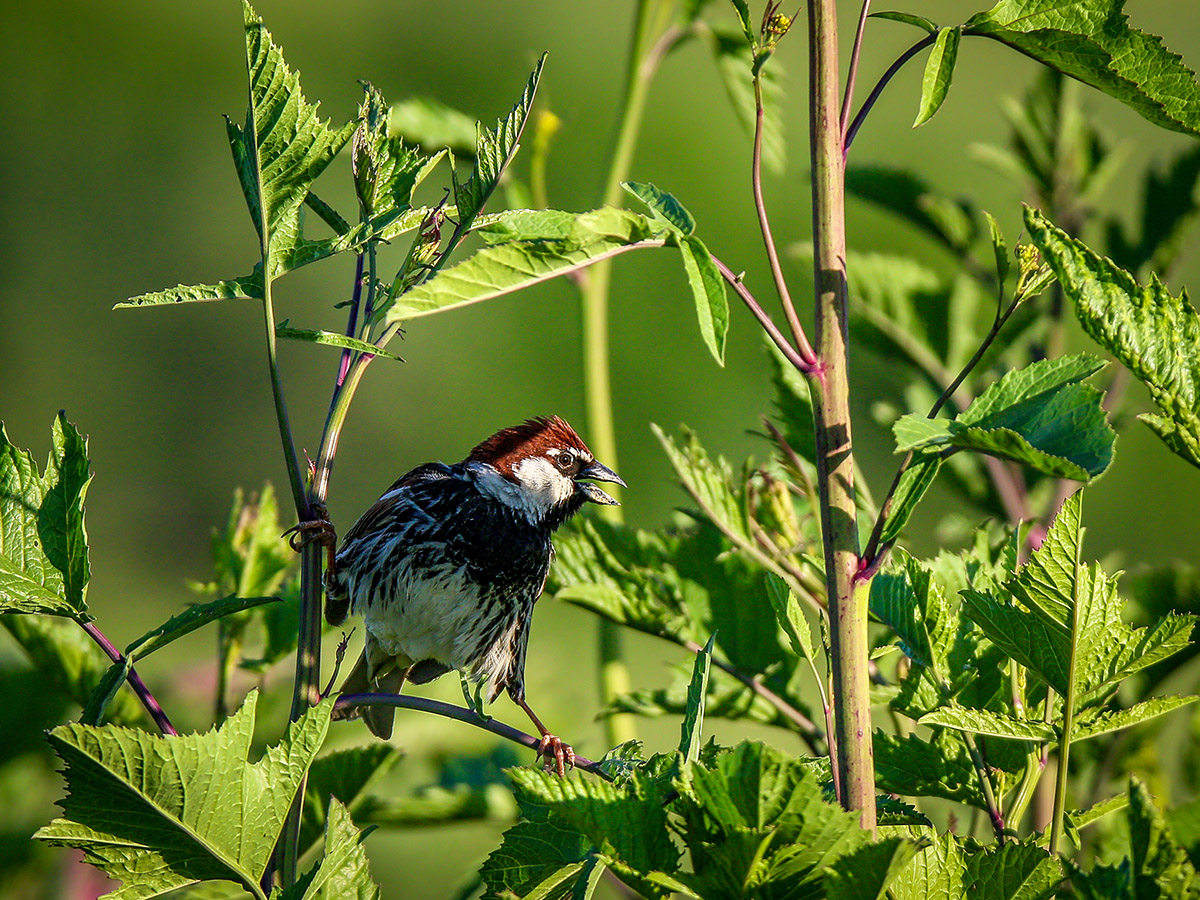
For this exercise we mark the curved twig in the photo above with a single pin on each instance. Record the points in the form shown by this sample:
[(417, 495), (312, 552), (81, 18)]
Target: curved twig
[(459, 714), (135, 680), (895, 67)]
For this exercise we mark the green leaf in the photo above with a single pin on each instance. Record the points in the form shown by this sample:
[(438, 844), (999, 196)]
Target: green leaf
[(693, 719), (793, 404), (331, 339), (866, 873), (347, 777), (189, 620), (1154, 335), (160, 813), (282, 147), (385, 170), (708, 289), (907, 19), (742, 8), (1040, 415), (662, 205), (69, 662), (1093, 42), (502, 269), (1156, 867), (106, 690), (999, 248), (939, 70), (43, 544), (528, 225), (734, 56), (494, 150), (434, 125), (982, 721), (913, 767), (954, 868), (916, 480), (757, 816), (1184, 821), (708, 481), (1114, 720), (343, 872), (791, 618)]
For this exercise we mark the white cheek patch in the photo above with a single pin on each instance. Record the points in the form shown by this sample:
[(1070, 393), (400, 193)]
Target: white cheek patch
[(543, 485)]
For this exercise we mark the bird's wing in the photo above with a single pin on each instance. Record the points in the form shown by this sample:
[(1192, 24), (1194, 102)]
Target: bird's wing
[(386, 505)]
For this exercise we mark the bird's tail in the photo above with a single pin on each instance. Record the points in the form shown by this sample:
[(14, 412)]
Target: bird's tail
[(337, 597), (385, 677)]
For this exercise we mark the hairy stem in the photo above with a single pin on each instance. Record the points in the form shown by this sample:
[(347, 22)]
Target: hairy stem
[(459, 714), (133, 679), (831, 412)]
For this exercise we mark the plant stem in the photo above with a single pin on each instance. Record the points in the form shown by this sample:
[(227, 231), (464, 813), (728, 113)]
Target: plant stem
[(852, 74), (895, 67), (768, 325), (764, 226), (133, 679), (459, 714), (651, 17), (1068, 723), (831, 413)]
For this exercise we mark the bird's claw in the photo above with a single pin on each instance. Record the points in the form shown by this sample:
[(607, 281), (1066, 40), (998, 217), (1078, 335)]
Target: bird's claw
[(318, 529), (556, 753)]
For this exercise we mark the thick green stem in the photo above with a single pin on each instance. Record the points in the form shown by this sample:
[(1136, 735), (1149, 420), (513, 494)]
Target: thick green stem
[(831, 409), (651, 15)]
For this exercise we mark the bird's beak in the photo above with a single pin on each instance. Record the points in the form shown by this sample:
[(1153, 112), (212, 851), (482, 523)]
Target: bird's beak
[(598, 472)]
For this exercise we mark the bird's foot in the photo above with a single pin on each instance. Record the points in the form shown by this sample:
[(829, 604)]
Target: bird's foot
[(318, 529), (556, 753)]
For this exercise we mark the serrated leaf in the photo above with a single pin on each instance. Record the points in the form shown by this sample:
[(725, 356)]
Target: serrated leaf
[(189, 620), (528, 225), (865, 873), (494, 150), (912, 767), (939, 70), (662, 205), (1114, 720), (986, 722), (791, 618), (707, 480), (1041, 415), (735, 58), (343, 872), (1154, 335), (282, 147), (347, 777), (708, 290), (1094, 43), (331, 339), (907, 19), (43, 544), (385, 170), (692, 729), (504, 268), (1156, 866), (793, 404), (953, 868), (160, 813)]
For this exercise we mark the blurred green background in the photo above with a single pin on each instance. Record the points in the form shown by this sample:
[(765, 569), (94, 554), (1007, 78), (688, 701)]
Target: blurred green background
[(115, 179)]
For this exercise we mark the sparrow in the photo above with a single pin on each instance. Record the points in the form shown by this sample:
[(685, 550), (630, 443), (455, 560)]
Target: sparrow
[(446, 566)]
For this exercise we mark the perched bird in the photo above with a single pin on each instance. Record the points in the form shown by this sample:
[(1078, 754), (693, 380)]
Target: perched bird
[(446, 566)]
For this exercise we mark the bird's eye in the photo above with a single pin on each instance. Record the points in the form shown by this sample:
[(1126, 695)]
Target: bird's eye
[(566, 460)]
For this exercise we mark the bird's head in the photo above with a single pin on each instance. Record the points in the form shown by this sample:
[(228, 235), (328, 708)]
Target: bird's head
[(544, 468)]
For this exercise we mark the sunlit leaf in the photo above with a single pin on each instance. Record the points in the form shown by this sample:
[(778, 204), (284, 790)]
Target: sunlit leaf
[(939, 70)]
